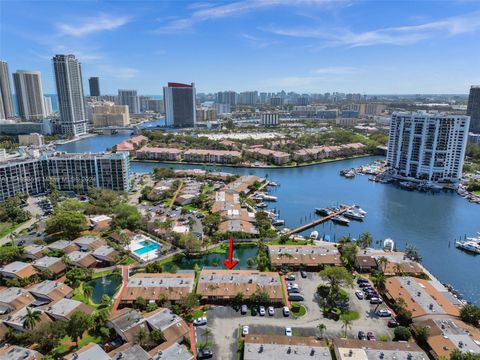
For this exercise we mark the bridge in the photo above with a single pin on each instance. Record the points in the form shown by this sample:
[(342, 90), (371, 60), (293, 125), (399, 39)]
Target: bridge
[(318, 221)]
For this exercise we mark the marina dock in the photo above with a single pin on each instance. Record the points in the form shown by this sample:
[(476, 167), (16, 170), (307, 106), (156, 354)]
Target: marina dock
[(318, 221)]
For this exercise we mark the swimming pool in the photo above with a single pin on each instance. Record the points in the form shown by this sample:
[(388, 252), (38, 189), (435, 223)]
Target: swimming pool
[(147, 247)]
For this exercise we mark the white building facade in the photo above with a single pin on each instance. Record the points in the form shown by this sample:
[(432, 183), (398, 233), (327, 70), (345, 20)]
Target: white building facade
[(428, 146), (270, 119)]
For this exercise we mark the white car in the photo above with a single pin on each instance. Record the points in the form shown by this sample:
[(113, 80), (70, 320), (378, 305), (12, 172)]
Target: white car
[(271, 311), (288, 331), (200, 321), (262, 311), (245, 330), (286, 311), (384, 313), (360, 294)]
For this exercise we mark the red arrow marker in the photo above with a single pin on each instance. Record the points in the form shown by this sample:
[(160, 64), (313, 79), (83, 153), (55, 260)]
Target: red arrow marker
[(229, 263)]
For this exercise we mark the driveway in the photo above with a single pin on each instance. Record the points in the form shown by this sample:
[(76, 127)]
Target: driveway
[(224, 321)]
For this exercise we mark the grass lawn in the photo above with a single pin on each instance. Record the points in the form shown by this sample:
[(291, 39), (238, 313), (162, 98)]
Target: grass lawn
[(290, 242), (298, 310), (78, 295), (6, 228), (100, 274), (65, 344), (477, 193)]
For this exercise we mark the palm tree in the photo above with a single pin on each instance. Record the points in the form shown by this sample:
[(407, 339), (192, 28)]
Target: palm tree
[(398, 268), (321, 329), (382, 261), (87, 291), (142, 338), (31, 318), (347, 325)]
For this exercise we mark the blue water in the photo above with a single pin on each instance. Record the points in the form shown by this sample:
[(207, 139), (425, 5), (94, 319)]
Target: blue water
[(430, 222), (147, 247)]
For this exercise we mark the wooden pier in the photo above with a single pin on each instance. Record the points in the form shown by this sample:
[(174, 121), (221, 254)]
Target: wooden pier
[(318, 221)]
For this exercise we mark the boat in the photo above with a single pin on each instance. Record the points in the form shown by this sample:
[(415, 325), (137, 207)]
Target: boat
[(278, 222), (388, 245), (273, 183), (340, 220), (261, 205), (269, 198), (314, 235), (468, 245), (353, 215), (323, 211)]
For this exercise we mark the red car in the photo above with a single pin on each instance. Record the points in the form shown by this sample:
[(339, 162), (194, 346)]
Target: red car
[(392, 323), (371, 336)]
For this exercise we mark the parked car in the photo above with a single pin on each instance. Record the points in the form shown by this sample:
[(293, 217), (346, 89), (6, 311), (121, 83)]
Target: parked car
[(295, 297), (262, 311), (371, 336), (371, 295), (245, 330), (200, 216), (362, 281), (384, 313), (303, 274), (392, 323), (288, 331), (254, 311), (286, 311), (362, 336), (200, 321), (360, 294), (204, 353), (364, 285), (271, 311), (376, 300), (244, 309), (290, 277), (292, 289)]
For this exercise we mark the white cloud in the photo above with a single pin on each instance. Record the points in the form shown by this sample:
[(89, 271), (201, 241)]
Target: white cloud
[(257, 41), (402, 35), (205, 12), (90, 25)]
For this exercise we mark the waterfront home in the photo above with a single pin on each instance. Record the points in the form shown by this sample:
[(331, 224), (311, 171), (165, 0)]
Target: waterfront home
[(48, 291), (348, 349), (365, 263), (243, 184), (281, 347), (276, 157), (446, 335), (82, 259), (308, 257), (91, 351), (160, 154), (227, 196), (50, 263), (167, 351), (422, 297), (64, 245), (14, 352), (222, 285), (106, 254), (14, 298), (153, 287), (212, 156), (34, 251), (63, 309), (129, 352), (131, 144), (17, 320), (89, 242), (238, 226), (18, 270)]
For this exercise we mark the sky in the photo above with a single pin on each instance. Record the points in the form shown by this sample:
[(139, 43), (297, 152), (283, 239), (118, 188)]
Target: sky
[(307, 46)]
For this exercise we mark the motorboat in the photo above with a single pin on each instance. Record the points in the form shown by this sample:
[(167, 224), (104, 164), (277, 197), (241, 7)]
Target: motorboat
[(468, 245), (323, 211), (353, 215), (278, 222), (261, 205), (314, 235), (273, 183), (388, 245), (269, 198), (340, 220), (359, 210)]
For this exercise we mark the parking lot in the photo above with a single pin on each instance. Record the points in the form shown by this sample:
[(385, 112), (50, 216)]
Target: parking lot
[(224, 322)]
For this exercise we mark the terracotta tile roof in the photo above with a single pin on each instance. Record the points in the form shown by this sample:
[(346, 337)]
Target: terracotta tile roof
[(308, 255)]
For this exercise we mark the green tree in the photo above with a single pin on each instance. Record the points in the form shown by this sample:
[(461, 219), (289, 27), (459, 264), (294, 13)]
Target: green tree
[(126, 216), (67, 224), (78, 324), (31, 318), (157, 336), (189, 302), (383, 262), (402, 333), (321, 329), (10, 253), (260, 297), (346, 325), (378, 279), (190, 243), (457, 354), (238, 298), (140, 303), (470, 314), (87, 291), (412, 253), (422, 333), (335, 276), (142, 337), (365, 240)]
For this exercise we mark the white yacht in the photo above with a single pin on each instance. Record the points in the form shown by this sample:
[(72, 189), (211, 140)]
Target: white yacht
[(469, 245), (314, 235)]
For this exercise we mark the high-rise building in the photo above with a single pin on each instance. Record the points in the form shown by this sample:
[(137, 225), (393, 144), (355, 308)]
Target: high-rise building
[(94, 84), (248, 98), (227, 97), (473, 109), (68, 80), (427, 146), (29, 92), (179, 102), (71, 172), (269, 119), (47, 103), (155, 106), (130, 98), (6, 104), (143, 101)]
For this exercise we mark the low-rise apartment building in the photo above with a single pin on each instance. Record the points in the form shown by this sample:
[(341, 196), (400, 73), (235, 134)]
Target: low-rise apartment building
[(348, 349), (65, 308), (212, 156), (158, 153), (308, 257), (18, 270), (50, 263), (276, 157), (223, 285)]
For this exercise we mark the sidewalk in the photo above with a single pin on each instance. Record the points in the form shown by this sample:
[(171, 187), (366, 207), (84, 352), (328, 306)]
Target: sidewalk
[(125, 271)]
